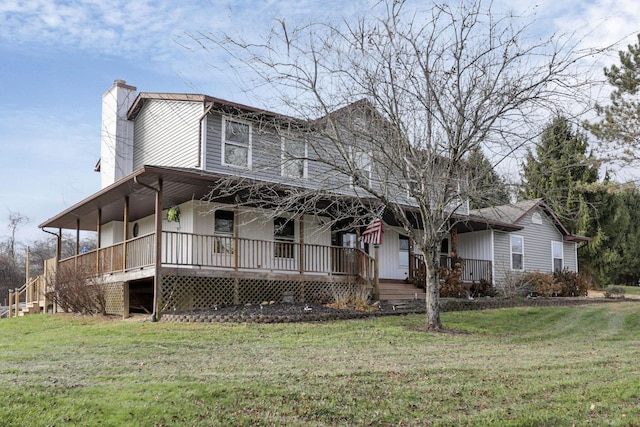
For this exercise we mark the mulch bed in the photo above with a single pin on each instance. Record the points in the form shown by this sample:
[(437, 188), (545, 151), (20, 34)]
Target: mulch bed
[(308, 312)]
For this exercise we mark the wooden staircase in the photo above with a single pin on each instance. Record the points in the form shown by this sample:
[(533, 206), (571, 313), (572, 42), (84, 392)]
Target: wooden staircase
[(399, 290)]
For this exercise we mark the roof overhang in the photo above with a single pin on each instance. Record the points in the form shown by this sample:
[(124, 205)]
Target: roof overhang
[(108, 204)]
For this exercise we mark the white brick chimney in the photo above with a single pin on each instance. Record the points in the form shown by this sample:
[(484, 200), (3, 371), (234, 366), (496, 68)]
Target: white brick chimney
[(116, 149)]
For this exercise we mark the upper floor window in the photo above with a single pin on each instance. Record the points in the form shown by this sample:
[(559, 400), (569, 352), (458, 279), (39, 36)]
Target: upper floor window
[(294, 158), (236, 143), (362, 167), (517, 253), (558, 256)]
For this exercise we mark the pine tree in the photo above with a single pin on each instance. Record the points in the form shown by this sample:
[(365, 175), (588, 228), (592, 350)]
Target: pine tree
[(620, 121), (561, 172)]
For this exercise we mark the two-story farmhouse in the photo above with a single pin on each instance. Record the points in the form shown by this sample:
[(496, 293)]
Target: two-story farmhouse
[(178, 227)]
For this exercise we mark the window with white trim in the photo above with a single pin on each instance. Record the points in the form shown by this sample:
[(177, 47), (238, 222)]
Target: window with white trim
[(557, 253), (517, 253), (294, 158), (236, 143), (223, 232)]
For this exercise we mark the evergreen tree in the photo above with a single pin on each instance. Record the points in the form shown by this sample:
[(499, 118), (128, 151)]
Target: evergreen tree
[(562, 173), (489, 188), (620, 121)]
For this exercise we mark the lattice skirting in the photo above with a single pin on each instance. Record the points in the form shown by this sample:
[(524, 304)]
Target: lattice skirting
[(114, 293), (181, 293)]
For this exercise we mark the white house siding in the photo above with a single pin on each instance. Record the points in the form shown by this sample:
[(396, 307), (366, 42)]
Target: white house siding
[(389, 263), (475, 245), (111, 233), (167, 134)]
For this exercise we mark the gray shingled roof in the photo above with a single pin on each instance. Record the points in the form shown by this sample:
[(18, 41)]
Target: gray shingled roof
[(510, 213)]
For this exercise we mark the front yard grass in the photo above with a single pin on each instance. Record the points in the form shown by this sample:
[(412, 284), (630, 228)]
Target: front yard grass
[(523, 366)]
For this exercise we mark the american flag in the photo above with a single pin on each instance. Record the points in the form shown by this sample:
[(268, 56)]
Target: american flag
[(373, 233)]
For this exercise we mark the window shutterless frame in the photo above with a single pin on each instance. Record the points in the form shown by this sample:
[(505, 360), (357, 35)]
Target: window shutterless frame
[(236, 143), (517, 253)]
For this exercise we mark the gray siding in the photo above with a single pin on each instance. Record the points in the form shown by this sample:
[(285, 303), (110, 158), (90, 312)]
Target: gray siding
[(570, 260), (537, 240), (167, 134), (266, 160), (324, 157), (537, 243)]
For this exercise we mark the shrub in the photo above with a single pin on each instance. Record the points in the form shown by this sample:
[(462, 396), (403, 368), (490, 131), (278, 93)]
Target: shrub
[(544, 284), (353, 298), (572, 283), (483, 288), (614, 292), (514, 284), (76, 290), (451, 285)]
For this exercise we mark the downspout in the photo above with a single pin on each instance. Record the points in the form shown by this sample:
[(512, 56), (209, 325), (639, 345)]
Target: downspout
[(202, 137), (158, 242)]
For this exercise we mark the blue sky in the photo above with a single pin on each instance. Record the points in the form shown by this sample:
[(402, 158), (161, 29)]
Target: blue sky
[(57, 58)]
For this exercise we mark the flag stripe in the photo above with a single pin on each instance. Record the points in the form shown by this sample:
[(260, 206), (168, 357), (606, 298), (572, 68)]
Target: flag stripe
[(373, 233)]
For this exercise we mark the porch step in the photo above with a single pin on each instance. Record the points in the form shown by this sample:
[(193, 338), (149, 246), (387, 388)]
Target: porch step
[(398, 290)]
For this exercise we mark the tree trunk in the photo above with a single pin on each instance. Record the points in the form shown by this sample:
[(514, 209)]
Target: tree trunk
[(433, 295)]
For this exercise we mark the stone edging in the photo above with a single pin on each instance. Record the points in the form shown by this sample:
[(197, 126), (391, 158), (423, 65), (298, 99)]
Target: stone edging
[(446, 305)]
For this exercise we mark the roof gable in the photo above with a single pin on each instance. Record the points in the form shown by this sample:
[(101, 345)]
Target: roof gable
[(514, 213)]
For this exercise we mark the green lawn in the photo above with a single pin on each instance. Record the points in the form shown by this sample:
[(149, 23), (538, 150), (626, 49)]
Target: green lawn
[(522, 367)]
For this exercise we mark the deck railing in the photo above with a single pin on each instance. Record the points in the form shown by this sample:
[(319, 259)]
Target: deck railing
[(473, 270), (225, 252)]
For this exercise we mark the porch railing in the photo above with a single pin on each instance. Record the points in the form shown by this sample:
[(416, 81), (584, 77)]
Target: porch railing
[(226, 252), (473, 270)]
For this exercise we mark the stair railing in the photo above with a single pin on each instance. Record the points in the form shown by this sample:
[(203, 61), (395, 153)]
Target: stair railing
[(33, 291)]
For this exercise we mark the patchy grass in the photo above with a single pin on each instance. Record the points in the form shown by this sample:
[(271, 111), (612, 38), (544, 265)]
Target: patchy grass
[(524, 366), (631, 291)]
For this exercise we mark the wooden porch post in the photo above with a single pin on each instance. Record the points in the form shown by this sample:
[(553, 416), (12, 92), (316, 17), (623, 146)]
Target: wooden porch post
[(77, 242), (301, 262), (125, 217), (10, 302), (236, 256), (98, 241), (158, 256), (454, 242), (59, 247), (376, 272), (28, 294)]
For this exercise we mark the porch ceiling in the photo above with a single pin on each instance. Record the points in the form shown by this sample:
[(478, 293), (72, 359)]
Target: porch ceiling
[(178, 186)]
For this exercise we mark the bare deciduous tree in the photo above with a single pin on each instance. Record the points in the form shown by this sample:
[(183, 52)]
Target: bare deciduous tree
[(391, 107)]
